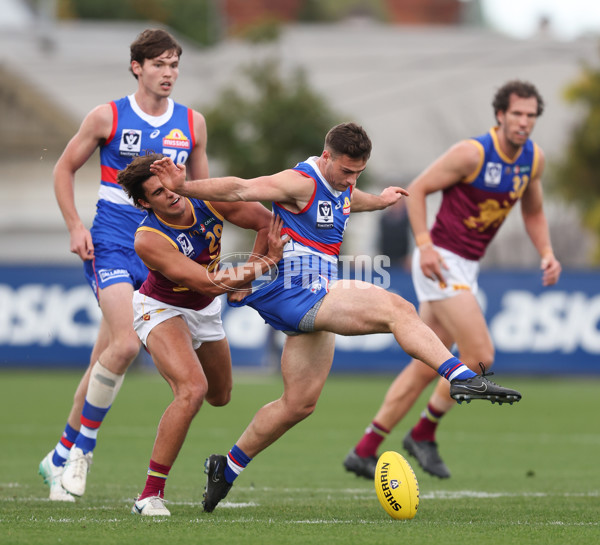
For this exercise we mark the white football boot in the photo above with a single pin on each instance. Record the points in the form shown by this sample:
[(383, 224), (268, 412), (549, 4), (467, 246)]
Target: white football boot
[(51, 475), (76, 470), (152, 506)]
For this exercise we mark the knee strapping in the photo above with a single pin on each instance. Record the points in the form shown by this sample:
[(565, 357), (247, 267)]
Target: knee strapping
[(104, 386)]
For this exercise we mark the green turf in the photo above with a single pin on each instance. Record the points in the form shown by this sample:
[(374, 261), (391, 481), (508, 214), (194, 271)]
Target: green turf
[(522, 474)]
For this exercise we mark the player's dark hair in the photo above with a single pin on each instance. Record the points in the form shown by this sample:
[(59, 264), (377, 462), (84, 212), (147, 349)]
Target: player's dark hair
[(348, 139), (132, 177), (522, 89), (152, 43)]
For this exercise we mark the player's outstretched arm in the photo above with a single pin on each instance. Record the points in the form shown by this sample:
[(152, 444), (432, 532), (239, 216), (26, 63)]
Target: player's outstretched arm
[(159, 254), (247, 215), (366, 202), (239, 277), (287, 186)]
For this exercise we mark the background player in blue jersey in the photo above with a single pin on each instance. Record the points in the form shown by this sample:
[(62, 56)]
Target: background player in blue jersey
[(307, 301), (121, 130), (180, 241), (481, 179)]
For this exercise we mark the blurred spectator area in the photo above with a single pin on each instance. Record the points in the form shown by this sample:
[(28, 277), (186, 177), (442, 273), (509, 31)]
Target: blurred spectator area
[(240, 14), (417, 85)]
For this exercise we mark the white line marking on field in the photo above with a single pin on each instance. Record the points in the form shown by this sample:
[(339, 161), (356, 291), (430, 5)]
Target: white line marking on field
[(225, 504), (457, 494), (349, 493), (247, 520)]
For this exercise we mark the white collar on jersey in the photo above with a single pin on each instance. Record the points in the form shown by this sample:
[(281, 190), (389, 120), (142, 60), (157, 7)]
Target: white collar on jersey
[(155, 121), (312, 161)]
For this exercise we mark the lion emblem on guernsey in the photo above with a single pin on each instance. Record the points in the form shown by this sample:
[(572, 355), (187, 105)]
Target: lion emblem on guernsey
[(491, 214)]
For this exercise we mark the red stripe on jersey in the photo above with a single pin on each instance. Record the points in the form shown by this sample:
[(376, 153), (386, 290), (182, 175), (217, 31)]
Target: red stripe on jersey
[(312, 198), (329, 249), (191, 125), (108, 174), (115, 122), (96, 281), (92, 424)]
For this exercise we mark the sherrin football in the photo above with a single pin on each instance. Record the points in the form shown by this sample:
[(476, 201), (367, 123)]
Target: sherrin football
[(396, 486)]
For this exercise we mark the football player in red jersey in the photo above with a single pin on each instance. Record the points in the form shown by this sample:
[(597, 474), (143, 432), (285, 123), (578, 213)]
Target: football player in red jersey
[(121, 130), (308, 301)]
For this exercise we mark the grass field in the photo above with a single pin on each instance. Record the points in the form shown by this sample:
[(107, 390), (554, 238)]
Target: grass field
[(522, 474)]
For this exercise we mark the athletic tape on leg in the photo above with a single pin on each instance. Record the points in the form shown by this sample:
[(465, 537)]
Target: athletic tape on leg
[(104, 386)]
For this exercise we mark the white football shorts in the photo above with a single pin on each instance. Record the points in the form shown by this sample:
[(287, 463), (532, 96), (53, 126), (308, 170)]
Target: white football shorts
[(461, 275), (205, 324)]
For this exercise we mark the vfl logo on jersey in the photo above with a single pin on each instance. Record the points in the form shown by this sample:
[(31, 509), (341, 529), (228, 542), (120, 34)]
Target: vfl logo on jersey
[(186, 245), (493, 174), (176, 139), (324, 215), (131, 142)]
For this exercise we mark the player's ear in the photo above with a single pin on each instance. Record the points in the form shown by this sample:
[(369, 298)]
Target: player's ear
[(500, 116), (136, 68)]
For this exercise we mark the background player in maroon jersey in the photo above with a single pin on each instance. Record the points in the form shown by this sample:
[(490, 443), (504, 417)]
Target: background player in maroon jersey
[(176, 313), (481, 179)]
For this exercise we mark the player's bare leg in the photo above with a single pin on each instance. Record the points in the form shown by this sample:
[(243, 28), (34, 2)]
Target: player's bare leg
[(413, 379), (353, 307), (193, 375), (52, 466), (106, 377), (305, 365), (462, 318)]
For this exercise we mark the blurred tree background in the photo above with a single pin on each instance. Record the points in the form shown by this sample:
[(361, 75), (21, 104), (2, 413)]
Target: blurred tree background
[(269, 120), (197, 20), (577, 176), (270, 126), (201, 20)]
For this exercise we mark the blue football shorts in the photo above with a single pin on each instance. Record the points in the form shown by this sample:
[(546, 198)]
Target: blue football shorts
[(114, 264), (285, 301)]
